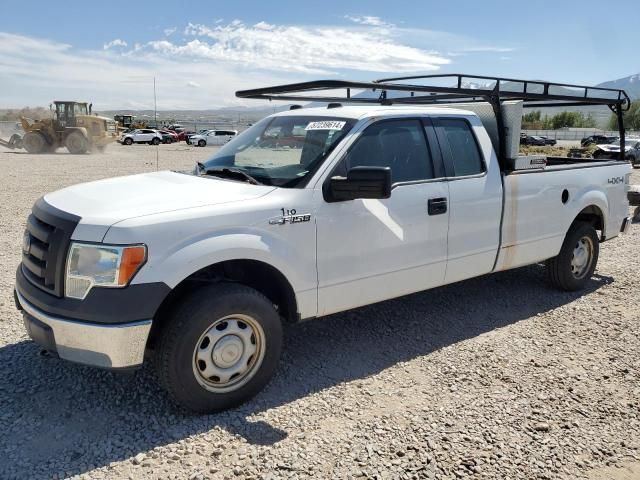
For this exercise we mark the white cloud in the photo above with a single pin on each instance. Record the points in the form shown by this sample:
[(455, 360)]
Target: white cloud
[(169, 31), (114, 43), (204, 69), (36, 71), (368, 20), (303, 49)]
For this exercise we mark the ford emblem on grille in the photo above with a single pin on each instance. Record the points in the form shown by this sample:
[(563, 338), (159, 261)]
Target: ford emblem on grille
[(26, 243)]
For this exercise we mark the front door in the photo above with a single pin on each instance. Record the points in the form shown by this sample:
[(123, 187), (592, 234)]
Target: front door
[(371, 250)]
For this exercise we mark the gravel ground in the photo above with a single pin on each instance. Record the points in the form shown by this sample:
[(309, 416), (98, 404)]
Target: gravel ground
[(496, 377)]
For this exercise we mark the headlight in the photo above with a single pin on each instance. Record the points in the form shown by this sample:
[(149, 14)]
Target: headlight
[(101, 266)]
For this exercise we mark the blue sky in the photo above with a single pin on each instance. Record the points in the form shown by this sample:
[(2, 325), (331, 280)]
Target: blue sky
[(201, 52)]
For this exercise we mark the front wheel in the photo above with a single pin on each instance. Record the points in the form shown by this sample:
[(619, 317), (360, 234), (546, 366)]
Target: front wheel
[(220, 347), (201, 143), (76, 143), (155, 141), (576, 262)]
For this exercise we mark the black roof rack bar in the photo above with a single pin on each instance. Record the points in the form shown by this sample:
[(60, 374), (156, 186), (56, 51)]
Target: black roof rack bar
[(621, 94), (495, 92), (301, 91)]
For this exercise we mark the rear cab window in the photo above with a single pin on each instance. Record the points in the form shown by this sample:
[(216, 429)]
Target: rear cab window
[(459, 147)]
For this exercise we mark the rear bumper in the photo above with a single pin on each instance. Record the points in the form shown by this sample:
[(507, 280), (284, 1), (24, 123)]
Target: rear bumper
[(115, 346)]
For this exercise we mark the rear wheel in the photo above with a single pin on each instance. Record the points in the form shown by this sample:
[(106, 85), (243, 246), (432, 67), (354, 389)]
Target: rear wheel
[(576, 262), (76, 143), (221, 346), (201, 143), (34, 142)]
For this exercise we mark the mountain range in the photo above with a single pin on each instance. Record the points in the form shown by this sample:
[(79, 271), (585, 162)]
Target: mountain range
[(243, 115), (630, 84)]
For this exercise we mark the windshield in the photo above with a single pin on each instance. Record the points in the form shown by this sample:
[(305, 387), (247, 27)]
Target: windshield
[(282, 151), (80, 108)]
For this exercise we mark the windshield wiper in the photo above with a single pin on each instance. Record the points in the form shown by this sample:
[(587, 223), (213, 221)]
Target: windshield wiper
[(234, 173)]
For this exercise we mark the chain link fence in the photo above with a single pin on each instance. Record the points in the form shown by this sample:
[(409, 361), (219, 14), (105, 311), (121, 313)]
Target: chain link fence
[(577, 134)]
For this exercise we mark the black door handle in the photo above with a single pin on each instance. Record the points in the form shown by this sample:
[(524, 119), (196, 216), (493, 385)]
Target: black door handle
[(437, 206)]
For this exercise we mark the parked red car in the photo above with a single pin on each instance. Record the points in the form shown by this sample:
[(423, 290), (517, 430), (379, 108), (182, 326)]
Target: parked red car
[(174, 136), (182, 134)]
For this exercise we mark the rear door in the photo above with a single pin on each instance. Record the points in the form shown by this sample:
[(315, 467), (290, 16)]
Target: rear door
[(475, 196), (371, 250), (145, 136)]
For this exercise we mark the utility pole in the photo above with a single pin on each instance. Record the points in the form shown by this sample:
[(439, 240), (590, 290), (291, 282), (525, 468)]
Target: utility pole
[(155, 105)]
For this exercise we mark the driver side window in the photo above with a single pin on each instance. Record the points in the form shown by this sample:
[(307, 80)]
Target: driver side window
[(398, 144)]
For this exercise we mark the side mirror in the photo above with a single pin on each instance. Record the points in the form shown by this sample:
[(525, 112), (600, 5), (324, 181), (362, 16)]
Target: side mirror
[(361, 182)]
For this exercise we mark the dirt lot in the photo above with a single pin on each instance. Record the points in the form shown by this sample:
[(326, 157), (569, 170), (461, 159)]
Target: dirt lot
[(497, 377)]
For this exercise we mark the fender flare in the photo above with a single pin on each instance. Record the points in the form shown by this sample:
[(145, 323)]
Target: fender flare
[(186, 259), (594, 198)]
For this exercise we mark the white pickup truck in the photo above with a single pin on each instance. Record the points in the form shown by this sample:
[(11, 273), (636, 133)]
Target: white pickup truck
[(199, 270)]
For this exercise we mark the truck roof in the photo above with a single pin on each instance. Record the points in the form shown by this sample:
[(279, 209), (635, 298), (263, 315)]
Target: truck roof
[(365, 111)]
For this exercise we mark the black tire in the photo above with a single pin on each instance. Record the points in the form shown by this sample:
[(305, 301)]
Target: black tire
[(563, 272), (155, 141), (128, 141), (187, 330), (76, 143), (34, 142), (201, 143), (635, 165)]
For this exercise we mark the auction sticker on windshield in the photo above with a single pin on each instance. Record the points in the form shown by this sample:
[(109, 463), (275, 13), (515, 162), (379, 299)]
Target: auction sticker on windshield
[(326, 125)]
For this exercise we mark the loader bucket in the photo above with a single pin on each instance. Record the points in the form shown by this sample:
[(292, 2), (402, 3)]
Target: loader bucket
[(15, 141)]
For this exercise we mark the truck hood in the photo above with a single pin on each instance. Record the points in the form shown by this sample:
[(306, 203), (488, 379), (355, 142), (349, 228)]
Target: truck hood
[(102, 203)]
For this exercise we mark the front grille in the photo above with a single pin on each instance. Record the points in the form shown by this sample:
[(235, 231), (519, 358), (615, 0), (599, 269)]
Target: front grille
[(45, 246)]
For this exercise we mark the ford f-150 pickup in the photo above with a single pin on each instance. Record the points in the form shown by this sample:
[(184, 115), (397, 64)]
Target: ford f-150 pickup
[(198, 270)]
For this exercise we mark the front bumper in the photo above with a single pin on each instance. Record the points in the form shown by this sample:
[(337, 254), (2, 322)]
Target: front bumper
[(626, 224), (113, 346)]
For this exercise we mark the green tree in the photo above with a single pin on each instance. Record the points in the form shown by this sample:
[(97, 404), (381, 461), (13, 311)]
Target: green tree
[(631, 118)]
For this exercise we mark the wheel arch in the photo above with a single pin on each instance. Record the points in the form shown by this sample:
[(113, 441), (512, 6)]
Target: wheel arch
[(257, 274), (594, 215)]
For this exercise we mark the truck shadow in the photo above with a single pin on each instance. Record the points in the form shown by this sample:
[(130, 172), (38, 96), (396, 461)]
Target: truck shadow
[(54, 413)]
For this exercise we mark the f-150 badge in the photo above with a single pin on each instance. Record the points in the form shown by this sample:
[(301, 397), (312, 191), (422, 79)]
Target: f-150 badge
[(290, 216)]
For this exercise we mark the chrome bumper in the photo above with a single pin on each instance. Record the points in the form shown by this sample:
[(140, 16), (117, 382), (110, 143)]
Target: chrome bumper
[(106, 346)]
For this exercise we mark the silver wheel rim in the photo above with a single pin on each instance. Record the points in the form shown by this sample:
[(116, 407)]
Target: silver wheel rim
[(229, 353), (582, 257)]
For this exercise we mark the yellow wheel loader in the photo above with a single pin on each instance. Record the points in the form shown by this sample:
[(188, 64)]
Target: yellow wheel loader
[(72, 126)]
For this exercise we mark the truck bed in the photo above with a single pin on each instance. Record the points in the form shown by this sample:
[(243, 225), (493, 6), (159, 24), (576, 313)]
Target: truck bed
[(540, 203)]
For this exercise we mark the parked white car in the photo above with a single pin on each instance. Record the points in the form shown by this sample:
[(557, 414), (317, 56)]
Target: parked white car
[(141, 135), (201, 269), (212, 137)]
